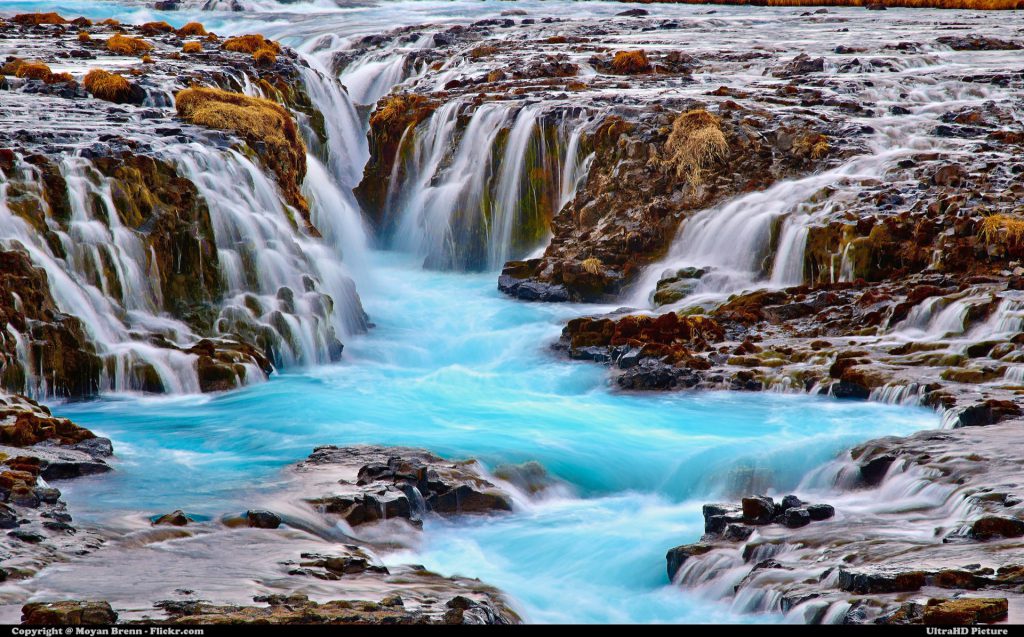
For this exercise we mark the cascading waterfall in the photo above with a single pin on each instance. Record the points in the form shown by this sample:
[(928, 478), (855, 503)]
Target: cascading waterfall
[(741, 242), (102, 276), (472, 198), (294, 287)]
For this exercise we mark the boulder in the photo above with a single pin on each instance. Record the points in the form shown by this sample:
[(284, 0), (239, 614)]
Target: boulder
[(820, 511), (758, 509), (261, 519), (794, 518), (175, 518), (679, 555), (995, 526), (965, 611), (69, 613)]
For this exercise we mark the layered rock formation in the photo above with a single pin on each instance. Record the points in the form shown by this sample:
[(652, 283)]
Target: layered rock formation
[(36, 450), (133, 270)]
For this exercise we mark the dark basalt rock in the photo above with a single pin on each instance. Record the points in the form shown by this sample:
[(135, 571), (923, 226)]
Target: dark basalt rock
[(402, 483), (679, 555), (794, 518), (994, 526), (880, 580), (529, 290), (263, 519), (758, 510)]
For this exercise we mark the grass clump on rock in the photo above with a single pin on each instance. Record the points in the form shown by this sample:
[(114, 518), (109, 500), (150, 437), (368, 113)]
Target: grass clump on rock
[(108, 86), (192, 28), (695, 144), (125, 45), (260, 122), (631, 63), (1000, 228), (250, 44), (153, 28), (33, 71), (28, 19), (192, 47), (265, 56)]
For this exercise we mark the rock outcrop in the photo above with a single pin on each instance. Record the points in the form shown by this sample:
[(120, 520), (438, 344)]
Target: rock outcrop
[(390, 483), (112, 228)]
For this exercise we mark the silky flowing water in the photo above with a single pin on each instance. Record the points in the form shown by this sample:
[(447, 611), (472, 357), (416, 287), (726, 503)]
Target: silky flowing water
[(457, 368), (454, 366)]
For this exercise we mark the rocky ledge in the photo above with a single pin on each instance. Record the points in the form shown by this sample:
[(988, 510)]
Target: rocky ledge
[(37, 449), (380, 495), (133, 129), (388, 483), (922, 529)]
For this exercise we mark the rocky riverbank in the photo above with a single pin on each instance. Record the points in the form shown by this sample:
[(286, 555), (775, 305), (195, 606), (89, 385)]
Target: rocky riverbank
[(947, 550), (351, 505), (37, 451), (863, 275)]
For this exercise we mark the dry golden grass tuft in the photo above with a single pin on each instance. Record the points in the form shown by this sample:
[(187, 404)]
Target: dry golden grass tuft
[(58, 78), (396, 110), (192, 47), (695, 144), (192, 28), (148, 59), (124, 45), (111, 22), (107, 86), (592, 265), (258, 121), (83, 36), (814, 146), (631, 63), (1000, 228), (38, 18), (154, 28), (265, 57), (250, 44), (33, 71)]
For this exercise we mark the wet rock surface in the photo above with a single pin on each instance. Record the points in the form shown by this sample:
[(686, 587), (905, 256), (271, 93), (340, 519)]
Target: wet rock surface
[(474, 608), (401, 483), (73, 147), (950, 558), (37, 451), (351, 583)]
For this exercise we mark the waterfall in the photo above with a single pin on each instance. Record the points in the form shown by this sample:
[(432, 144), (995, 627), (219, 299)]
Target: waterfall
[(759, 238), (278, 281), (472, 199), (100, 274)]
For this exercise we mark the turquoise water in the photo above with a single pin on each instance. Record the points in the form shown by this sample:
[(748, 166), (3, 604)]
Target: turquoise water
[(454, 366)]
